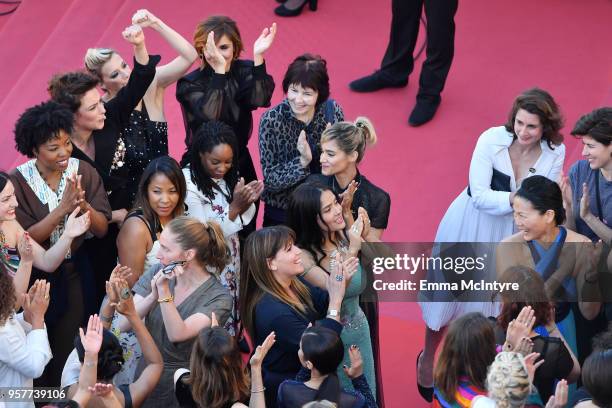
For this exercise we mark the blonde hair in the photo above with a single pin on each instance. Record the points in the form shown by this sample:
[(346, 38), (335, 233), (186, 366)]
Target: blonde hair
[(95, 58), (206, 238), (508, 380), (351, 136)]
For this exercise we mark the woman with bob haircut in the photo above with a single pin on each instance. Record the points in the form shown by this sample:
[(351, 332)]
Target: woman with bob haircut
[(290, 132), (321, 353), (50, 188), (160, 199), (558, 360), (529, 144), (563, 258), (178, 295), (226, 88), (216, 377), (597, 377), (146, 135), (317, 215), (275, 299), (343, 147), (216, 193)]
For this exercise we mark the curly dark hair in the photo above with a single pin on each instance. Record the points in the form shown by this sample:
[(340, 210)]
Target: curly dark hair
[(596, 124), (68, 88), (39, 124), (110, 356), (206, 138), (539, 102), (7, 295)]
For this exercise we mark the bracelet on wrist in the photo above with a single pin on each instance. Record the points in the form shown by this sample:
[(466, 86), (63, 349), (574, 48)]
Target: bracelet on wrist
[(166, 299), (258, 391), (106, 319)]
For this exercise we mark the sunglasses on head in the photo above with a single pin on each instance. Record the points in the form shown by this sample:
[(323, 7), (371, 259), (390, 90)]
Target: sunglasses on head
[(170, 267)]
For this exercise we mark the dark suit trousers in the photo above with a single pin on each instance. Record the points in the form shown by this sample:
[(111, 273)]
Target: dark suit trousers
[(398, 61)]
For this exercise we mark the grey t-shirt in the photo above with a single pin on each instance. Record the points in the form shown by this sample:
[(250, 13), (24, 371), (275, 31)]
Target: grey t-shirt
[(580, 173), (210, 296)]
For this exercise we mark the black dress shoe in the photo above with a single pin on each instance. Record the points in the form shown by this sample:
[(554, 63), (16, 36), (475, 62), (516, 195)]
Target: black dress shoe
[(424, 110), (283, 11), (378, 80), (425, 392)]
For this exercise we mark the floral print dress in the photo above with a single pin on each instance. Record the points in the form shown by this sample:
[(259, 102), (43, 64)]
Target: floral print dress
[(217, 210)]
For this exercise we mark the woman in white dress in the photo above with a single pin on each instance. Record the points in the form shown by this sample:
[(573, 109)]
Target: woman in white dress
[(529, 143), (215, 192)]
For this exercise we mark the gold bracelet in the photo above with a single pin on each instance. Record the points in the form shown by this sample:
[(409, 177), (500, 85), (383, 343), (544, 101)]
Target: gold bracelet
[(166, 299), (258, 391)]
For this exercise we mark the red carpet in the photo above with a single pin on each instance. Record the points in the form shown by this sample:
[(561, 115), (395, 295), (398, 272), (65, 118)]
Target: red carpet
[(502, 47)]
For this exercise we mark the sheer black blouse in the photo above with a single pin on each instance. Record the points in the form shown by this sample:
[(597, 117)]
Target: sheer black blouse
[(118, 113), (231, 97)]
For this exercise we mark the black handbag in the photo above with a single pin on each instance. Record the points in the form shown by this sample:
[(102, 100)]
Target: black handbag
[(499, 182)]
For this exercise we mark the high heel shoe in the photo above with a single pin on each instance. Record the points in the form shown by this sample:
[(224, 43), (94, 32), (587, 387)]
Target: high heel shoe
[(425, 392), (283, 11)]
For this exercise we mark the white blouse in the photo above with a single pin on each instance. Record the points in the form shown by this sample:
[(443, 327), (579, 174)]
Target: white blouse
[(24, 354)]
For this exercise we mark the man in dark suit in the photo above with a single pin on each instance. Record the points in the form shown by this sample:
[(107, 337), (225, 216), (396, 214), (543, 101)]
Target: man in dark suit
[(398, 61)]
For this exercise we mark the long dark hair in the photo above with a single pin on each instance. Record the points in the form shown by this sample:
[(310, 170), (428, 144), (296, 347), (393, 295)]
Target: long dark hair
[(324, 349), (8, 296), (205, 139), (217, 376), (302, 213), (169, 167), (468, 349)]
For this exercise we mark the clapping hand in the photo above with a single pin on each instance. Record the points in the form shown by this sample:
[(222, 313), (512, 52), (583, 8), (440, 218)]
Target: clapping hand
[(520, 327), (304, 149), (92, 340), (212, 55), (531, 365), (346, 199), (144, 18), (36, 302), (134, 35), (566, 191), (265, 40), (25, 248), (77, 226), (72, 196), (356, 368), (560, 398), (245, 195), (122, 299), (366, 222), (262, 350)]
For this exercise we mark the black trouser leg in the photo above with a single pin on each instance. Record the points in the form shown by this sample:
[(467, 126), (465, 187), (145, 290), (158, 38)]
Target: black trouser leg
[(398, 61), (440, 46)]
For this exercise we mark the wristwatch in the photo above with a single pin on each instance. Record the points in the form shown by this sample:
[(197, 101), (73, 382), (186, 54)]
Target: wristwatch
[(332, 313)]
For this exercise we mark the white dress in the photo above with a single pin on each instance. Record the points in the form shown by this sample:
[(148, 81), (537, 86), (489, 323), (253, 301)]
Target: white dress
[(217, 210), (486, 216), (24, 354)]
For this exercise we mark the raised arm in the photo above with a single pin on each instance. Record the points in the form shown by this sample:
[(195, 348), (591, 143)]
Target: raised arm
[(132, 245), (171, 72), (149, 377)]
